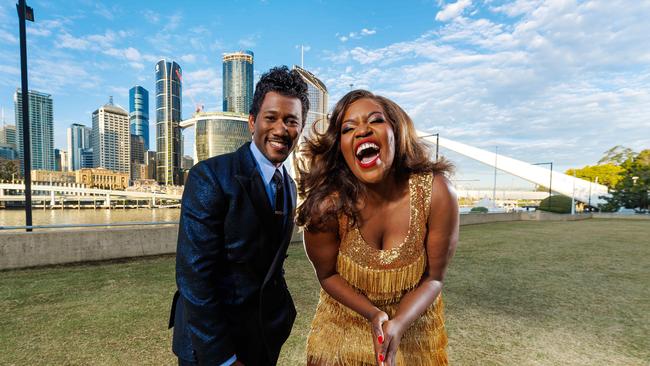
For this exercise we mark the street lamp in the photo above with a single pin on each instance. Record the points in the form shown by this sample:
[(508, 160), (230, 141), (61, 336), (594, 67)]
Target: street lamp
[(25, 13), (550, 183), (437, 135)]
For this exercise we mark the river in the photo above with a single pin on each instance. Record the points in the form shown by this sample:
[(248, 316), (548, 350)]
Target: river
[(16, 217)]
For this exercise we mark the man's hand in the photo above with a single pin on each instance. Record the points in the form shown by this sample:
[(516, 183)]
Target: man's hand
[(393, 331), (377, 320)]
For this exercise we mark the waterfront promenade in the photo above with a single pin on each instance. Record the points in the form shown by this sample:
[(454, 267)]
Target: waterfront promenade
[(517, 293)]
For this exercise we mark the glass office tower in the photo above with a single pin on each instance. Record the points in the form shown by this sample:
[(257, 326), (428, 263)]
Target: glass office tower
[(218, 133), (139, 113), (238, 81), (78, 140), (168, 114), (318, 100), (40, 129)]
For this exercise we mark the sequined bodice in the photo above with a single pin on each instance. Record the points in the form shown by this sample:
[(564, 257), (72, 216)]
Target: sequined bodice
[(385, 275)]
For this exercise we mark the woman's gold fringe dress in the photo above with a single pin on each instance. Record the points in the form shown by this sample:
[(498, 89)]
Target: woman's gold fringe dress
[(340, 336)]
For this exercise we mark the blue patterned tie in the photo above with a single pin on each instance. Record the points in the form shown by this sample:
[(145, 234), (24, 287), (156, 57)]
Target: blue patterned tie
[(279, 192)]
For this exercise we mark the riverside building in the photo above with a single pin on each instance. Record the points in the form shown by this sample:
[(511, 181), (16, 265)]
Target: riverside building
[(217, 133), (40, 129), (238, 82), (111, 139), (168, 115)]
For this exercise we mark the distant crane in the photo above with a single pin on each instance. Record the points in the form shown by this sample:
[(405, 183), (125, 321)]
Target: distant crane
[(198, 107)]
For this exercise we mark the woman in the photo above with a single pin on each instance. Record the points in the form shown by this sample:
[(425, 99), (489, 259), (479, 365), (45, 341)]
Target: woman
[(381, 224)]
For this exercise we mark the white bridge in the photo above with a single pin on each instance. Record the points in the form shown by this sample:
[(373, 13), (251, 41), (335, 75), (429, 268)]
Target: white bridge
[(582, 190), (61, 194)]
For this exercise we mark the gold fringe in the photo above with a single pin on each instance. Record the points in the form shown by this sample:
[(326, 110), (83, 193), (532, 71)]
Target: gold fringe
[(381, 281), (340, 336)]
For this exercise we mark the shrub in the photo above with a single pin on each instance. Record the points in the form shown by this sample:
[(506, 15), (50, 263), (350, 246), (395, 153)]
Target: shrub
[(558, 204), (479, 209)]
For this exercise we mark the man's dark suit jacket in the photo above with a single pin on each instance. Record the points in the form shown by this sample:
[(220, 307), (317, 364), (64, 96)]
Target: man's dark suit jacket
[(232, 297)]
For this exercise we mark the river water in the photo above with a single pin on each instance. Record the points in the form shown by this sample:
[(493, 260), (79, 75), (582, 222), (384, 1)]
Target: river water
[(16, 217)]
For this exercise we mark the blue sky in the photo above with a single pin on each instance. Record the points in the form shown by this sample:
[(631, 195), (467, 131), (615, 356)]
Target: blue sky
[(558, 81)]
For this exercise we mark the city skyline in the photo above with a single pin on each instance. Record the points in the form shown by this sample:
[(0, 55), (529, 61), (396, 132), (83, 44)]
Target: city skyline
[(542, 80)]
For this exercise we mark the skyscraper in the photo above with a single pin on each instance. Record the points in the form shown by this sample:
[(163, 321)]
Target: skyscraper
[(137, 156), (8, 135), (57, 160), (139, 113), (78, 139), (40, 129), (318, 99), (64, 161), (168, 115), (217, 133), (238, 81), (111, 138)]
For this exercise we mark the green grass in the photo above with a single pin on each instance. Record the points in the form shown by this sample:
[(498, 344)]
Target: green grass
[(524, 293)]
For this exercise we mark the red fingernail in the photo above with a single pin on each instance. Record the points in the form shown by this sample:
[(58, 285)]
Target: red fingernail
[(381, 358), (380, 339)]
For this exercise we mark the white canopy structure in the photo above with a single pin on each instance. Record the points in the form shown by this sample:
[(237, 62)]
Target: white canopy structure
[(562, 183)]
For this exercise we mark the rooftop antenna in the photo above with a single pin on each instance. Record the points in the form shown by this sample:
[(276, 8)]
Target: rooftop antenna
[(302, 56), (110, 100)]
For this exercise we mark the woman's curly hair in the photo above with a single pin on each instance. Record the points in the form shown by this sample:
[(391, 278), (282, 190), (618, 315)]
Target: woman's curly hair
[(327, 184)]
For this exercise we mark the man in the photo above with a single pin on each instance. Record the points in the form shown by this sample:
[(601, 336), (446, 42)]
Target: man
[(232, 305)]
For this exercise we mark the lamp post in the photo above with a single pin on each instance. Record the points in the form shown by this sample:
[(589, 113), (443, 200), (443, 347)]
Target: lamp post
[(437, 135), (25, 13), (494, 186), (550, 183)]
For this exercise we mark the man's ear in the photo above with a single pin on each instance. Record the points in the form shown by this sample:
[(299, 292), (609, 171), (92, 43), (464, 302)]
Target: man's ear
[(251, 123)]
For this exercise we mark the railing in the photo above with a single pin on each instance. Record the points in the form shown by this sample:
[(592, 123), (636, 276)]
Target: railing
[(63, 226)]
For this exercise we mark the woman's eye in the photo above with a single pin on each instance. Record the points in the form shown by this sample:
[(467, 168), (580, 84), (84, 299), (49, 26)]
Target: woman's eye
[(378, 120), (346, 129)]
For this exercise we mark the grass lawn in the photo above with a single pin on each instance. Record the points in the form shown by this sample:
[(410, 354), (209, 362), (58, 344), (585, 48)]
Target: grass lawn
[(523, 293)]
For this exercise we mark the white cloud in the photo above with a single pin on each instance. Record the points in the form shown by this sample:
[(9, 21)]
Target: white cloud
[(518, 7), (356, 35), (249, 41), (67, 40), (453, 10), (189, 58), (7, 37), (202, 86), (106, 12), (38, 32), (151, 16), (564, 81)]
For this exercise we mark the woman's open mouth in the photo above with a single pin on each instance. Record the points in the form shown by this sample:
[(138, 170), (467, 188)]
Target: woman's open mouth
[(367, 154)]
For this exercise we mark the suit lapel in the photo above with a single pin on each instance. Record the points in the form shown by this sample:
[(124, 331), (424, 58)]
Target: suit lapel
[(251, 180), (285, 238)]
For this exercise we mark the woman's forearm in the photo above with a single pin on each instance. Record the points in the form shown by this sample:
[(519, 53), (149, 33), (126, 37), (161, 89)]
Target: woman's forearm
[(415, 302), (340, 290)]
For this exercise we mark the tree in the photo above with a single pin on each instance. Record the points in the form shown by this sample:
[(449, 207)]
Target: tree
[(617, 155), (608, 174), (9, 169), (558, 204), (633, 189)]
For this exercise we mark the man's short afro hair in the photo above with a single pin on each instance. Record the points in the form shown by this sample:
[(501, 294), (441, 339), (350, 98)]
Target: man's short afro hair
[(285, 82)]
